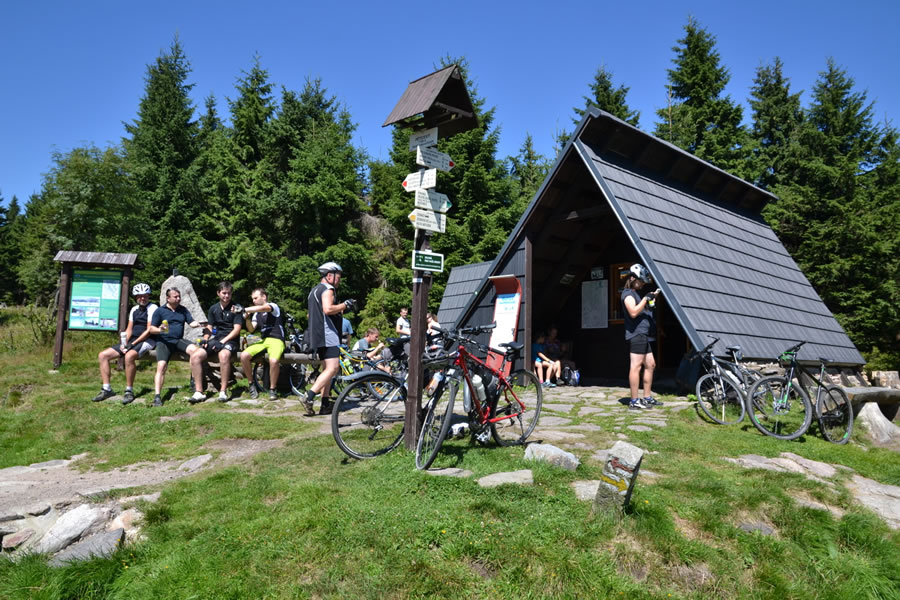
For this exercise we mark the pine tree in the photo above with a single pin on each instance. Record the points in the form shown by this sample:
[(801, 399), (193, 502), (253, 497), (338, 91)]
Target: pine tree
[(837, 213), (777, 118), (606, 97), (698, 118), (11, 226), (160, 148)]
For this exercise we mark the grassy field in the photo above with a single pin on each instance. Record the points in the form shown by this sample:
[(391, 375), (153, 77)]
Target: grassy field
[(303, 522)]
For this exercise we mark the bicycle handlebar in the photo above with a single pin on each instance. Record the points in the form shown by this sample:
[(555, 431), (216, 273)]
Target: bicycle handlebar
[(792, 351)]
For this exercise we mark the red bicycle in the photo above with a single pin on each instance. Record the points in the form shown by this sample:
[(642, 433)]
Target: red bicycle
[(506, 406)]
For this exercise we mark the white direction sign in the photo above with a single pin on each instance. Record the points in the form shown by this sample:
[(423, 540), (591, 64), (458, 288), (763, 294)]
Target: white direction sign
[(426, 137), (420, 180), (432, 200), (429, 157), (427, 220)]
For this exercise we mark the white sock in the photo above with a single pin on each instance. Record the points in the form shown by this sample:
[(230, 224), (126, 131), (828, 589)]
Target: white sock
[(107, 386)]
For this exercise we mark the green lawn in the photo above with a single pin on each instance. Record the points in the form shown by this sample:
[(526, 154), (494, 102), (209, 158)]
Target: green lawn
[(303, 522)]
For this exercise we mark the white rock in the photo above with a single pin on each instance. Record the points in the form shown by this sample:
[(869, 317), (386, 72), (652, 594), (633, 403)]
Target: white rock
[(69, 527), (523, 477), (553, 455)]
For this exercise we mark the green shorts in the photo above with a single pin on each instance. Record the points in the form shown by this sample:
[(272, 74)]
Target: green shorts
[(273, 346)]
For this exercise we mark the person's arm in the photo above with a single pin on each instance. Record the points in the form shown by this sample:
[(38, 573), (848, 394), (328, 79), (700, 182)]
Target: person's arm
[(154, 323), (375, 351), (328, 305), (235, 333), (633, 307)]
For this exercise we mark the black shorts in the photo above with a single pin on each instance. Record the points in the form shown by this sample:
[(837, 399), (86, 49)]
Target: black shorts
[(164, 350), (328, 352), (640, 344)]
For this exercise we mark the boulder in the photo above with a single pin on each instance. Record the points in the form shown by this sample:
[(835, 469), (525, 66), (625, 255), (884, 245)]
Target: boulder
[(188, 300), (551, 454), (68, 528), (618, 477)]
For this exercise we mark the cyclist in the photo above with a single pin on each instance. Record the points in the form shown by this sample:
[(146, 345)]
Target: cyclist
[(137, 343), (167, 324), (640, 330), (403, 327), (364, 344), (325, 333), (225, 321), (269, 320)]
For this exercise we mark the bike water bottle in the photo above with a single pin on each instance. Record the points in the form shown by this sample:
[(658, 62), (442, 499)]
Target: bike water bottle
[(479, 388), (435, 381), (123, 338)]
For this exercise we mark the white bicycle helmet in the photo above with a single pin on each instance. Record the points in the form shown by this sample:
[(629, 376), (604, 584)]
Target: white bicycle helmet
[(140, 289), (330, 267), (640, 272)]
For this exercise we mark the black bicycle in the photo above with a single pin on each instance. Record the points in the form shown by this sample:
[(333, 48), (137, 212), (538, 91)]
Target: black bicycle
[(722, 392)]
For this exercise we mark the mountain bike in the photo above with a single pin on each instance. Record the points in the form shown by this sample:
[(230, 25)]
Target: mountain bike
[(505, 407), (368, 416), (777, 415), (722, 392)]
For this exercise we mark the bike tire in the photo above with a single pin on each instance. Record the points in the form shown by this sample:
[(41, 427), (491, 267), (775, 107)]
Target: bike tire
[(720, 399), (299, 378), (776, 415), (438, 414), (521, 402), (261, 376), (835, 415), (366, 425)]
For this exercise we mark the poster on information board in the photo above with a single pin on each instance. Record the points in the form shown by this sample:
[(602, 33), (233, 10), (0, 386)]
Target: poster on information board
[(94, 300)]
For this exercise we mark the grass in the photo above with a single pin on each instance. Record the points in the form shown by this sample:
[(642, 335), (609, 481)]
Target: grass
[(304, 522)]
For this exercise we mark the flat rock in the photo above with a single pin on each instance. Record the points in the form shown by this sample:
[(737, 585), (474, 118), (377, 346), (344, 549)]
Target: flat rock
[(557, 436), (815, 467), (757, 526), (564, 408), (195, 463), (522, 477), (639, 428), (880, 498), (815, 505), (69, 527), (99, 544), (11, 542), (552, 455), (585, 490), (587, 427), (41, 508), (50, 464), (591, 410), (551, 421), (654, 422), (450, 472), (12, 515)]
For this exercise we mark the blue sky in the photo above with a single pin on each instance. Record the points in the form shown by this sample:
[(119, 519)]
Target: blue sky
[(72, 73)]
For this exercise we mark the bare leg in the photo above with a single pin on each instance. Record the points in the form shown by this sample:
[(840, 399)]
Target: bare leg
[(323, 381), (198, 355), (634, 373), (160, 376), (649, 365), (274, 370), (225, 369), (130, 367), (103, 358)]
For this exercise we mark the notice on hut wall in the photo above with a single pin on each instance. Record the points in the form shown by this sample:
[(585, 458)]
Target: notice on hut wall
[(95, 300), (595, 304)]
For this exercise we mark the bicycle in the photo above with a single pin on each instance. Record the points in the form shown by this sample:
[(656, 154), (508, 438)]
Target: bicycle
[(368, 416), (722, 392), (775, 414), (505, 407)]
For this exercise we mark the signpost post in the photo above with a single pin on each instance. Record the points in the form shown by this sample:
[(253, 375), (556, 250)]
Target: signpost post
[(439, 100)]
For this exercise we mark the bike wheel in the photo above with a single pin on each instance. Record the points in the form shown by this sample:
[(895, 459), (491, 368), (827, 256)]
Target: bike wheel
[(720, 399), (835, 415), (438, 414), (261, 376), (299, 377), (779, 408), (518, 406), (366, 425)]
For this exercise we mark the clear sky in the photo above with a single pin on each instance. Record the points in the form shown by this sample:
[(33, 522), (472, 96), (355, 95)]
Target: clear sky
[(72, 72)]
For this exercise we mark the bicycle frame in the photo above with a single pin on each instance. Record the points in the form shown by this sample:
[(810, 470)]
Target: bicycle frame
[(464, 374)]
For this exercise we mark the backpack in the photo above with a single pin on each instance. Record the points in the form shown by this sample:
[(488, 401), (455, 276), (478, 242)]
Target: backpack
[(571, 376)]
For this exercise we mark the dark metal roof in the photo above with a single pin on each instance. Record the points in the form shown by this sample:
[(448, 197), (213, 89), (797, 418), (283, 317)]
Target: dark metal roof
[(720, 266), (437, 100), (110, 259), (463, 283)]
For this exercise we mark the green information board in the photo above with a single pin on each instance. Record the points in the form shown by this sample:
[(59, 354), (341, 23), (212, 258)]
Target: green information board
[(95, 300)]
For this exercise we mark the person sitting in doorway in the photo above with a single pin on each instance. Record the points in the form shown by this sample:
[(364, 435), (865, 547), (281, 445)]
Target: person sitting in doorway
[(545, 367)]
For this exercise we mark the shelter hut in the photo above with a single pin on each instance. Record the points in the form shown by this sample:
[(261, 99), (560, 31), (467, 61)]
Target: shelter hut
[(617, 196)]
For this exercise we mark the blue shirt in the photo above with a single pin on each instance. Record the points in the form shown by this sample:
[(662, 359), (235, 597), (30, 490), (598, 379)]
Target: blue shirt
[(177, 319)]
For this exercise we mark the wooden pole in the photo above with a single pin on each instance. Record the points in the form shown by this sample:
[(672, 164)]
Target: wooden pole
[(123, 310), (64, 283), (415, 383)]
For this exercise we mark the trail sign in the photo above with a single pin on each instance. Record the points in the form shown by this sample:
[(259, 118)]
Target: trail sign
[(432, 200), (428, 261), (427, 220), (429, 157), (420, 180), (425, 137)]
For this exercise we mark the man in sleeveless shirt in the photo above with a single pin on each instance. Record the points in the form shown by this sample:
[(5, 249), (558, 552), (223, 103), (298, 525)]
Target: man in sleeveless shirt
[(325, 333), (137, 343), (266, 318)]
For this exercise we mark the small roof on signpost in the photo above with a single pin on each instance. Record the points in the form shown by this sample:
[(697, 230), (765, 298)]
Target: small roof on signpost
[(437, 100), (98, 259)]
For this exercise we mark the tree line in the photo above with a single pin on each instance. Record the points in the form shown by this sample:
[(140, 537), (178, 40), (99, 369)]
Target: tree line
[(264, 194)]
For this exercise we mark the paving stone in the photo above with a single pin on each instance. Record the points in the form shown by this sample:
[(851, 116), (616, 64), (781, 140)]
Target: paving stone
[(552, 455), (813, 466), (450, 472), (99, 544), (552, 421), (195, 463), (654, 422), (591, 410), (585, 490), (522, 477), (587, 427), (564, 408), (639, 428), (556, 436), (880, 498)]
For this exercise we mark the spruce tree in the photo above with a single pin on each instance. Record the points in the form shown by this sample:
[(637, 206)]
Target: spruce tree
[(11, 226), (777, 118), (697, 117), (605, 96)]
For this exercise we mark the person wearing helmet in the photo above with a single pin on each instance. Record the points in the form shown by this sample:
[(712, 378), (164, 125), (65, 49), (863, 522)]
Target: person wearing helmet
[(137, 342), (325, 333), (266, 318), (640, 330)]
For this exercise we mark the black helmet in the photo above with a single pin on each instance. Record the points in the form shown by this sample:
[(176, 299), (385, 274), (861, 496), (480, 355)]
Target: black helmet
[(330, 267)]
